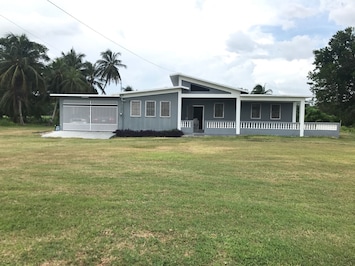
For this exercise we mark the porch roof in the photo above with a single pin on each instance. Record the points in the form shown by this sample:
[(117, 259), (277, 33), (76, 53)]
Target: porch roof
[(270, 98)]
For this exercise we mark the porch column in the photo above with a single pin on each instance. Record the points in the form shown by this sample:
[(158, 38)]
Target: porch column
[(179, 104), (294, 112), (301, 117), (237, 115)]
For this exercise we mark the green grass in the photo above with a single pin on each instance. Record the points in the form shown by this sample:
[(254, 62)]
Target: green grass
[(184, 201)]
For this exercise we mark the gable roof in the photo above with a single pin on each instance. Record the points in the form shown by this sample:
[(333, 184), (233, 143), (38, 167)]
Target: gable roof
[(177, 79)]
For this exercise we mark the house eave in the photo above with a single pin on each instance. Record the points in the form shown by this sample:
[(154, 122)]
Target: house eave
[(271, 98), (84, 96), (158, 91)]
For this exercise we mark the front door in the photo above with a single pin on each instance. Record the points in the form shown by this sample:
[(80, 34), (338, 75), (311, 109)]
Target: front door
[(198, 119)]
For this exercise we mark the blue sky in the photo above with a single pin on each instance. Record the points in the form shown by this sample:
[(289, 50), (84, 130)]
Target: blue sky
[(233, 42)]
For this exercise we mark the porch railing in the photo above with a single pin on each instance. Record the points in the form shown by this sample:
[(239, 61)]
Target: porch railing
[(311, 126), (269, 125), (220, 124)]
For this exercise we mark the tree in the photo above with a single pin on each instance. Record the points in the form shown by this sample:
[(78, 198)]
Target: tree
[(258, 89), (108, 67), (332, 80), (21, 70), (92, 76)]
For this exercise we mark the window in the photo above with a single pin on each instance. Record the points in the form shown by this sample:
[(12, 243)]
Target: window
[(255, 111), (275, 112), (165, 109), (218, 110), (135, 108), (150, 108)]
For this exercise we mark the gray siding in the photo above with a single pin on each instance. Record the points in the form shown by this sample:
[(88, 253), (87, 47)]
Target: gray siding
[(149, 123), (187, 108), (286, 111)]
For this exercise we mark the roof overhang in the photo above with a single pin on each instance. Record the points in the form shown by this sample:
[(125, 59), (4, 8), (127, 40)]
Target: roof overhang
[(159, 91), (273, 98), (84, 96)]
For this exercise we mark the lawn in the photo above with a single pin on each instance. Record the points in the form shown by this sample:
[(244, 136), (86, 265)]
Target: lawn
[(176, 201)]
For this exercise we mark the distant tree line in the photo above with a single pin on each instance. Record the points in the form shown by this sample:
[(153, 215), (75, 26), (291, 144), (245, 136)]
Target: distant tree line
[(28, 76)]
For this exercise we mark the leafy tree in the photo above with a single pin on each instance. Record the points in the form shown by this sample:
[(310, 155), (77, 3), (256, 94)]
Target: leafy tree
[(332, 80), (259, 89), (21, 70), (108, 67)]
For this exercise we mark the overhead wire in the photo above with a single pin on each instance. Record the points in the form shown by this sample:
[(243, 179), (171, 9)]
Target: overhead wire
[(109, 39), (34, 35)]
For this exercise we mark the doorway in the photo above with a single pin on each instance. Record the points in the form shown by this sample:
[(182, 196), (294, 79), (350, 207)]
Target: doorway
[(198, 118)]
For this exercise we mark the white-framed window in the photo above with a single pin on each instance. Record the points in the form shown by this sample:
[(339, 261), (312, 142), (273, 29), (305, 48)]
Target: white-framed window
[(275, 112), (218, 110), (255, 111), (135, 108), (150, 108), (165, 109)]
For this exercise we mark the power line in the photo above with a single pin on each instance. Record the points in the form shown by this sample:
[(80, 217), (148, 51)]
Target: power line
[(109, 39), (9, 20)]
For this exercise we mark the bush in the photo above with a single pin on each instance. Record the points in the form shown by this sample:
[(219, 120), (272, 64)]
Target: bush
[(148, 133), (6, 121)]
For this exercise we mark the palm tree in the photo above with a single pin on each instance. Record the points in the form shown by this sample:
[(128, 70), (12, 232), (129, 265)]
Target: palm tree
[(108, 67), (74, 59), (92, 76), (258, 89), (21, 70)]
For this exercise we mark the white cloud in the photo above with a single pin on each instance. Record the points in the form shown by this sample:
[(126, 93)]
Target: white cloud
[(340, 11)]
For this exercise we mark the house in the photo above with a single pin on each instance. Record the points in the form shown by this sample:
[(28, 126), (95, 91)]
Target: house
[(194, 106)]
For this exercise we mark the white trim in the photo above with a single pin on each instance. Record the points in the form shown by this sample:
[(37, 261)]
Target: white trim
[(179, 106), (140, 108), (301, 117), (166, 116), (272, 118), (155, 106), (272, 98), (160, 91), (237, 115), (251, 111), (206, 95), (84, 96), (214, 110)]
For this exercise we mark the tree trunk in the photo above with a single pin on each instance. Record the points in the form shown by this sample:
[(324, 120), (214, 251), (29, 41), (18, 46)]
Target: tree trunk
[(54, 111), (20, 112)]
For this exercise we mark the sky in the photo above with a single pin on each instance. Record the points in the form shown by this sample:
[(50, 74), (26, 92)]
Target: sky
[(237, 43)]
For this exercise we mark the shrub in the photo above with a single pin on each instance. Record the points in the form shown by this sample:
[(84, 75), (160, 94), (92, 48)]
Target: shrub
[(6, 121), (148, 133)]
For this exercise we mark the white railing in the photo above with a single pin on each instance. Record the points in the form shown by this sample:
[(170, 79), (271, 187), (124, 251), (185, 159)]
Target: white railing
[(269, 125), (220, 124), (320, 126), (264, 125), (187, 123)]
